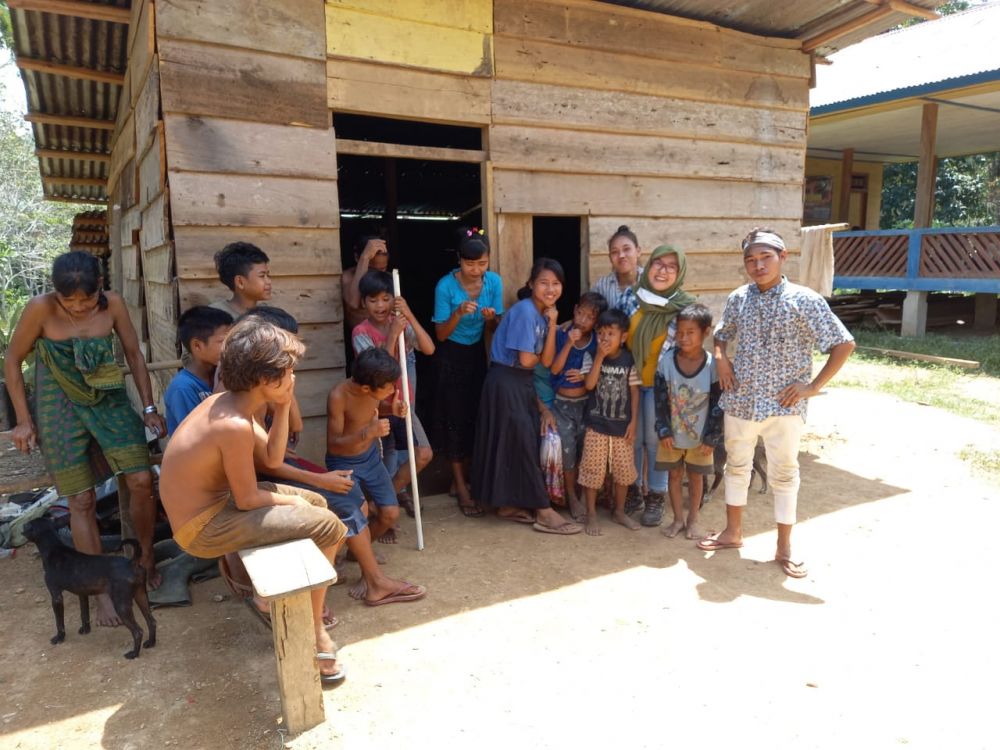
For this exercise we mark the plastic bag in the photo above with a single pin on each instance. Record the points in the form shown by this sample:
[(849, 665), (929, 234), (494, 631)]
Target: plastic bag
[(552, 468)]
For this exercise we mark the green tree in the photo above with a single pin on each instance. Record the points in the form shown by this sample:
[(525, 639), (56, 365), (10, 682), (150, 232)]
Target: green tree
[(32, 230), (967, 192), (6, 30)]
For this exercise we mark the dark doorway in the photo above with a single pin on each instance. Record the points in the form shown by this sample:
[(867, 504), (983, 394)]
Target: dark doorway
[(417, 205), (558, 237)]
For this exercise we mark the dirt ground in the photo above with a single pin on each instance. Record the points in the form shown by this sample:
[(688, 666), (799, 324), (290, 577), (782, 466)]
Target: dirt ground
[(629, 640)]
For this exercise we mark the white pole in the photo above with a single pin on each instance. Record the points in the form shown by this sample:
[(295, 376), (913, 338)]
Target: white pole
[(401, 350)]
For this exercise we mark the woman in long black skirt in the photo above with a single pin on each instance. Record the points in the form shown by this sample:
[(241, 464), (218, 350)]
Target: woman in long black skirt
[(506, 472), (466, 302)]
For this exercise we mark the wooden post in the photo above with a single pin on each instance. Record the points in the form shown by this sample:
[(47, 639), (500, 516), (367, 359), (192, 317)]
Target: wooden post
[(298, 670), (125, 508), (514, 251), (923, 213), (986, 313), (844, 198), (915, 305)]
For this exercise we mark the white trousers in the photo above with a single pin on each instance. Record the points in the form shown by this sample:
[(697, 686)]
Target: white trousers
[(781, 444)]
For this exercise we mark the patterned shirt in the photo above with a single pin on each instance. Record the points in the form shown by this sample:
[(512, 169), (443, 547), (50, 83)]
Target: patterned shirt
[(619, 299), (778, 331)]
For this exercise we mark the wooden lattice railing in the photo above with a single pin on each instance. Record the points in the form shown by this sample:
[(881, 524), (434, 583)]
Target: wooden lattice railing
[(953, 259)]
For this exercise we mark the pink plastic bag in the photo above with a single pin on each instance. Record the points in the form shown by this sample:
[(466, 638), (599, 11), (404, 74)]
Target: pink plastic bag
[(552, 469)]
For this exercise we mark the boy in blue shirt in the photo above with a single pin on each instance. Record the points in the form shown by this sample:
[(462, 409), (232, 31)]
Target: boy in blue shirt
[(201, 331), (688, 418), (576, 347)]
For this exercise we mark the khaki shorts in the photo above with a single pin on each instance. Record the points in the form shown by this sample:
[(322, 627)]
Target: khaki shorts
[(224, 528), (602, 453), (692, 458)]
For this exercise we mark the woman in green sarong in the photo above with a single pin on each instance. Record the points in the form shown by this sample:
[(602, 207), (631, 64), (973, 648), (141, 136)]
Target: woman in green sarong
[(84, 422)]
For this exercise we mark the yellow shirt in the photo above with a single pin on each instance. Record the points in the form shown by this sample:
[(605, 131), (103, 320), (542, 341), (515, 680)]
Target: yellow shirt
[(648, 368)]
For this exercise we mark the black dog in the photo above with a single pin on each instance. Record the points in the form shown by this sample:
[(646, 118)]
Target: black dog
[(121, 578), (759, 467)]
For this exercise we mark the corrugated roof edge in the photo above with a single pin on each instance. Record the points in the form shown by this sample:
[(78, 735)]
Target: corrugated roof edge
[(908, 92)]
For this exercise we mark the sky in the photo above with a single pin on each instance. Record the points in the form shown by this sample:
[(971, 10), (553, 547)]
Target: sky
[(11, 88)]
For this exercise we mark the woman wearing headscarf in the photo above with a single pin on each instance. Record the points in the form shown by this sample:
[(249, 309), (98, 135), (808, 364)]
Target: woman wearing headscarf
[(651, 331)]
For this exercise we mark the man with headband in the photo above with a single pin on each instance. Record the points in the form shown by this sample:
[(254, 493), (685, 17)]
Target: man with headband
[(767, 386)]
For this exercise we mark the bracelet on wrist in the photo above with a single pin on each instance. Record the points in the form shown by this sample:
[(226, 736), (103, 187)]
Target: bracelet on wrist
[(151, 409)]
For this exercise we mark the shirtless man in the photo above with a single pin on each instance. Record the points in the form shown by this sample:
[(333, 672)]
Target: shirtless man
[(353, 430), (208, 485), (371, 254)]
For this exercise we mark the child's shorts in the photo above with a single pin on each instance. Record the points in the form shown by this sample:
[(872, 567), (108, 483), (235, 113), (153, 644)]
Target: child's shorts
[(569, 419), (601, 452), (394, 451), (369, 474), (692, 458)]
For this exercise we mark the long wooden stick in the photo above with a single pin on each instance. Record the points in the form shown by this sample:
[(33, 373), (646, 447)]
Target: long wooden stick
[(401, 350)]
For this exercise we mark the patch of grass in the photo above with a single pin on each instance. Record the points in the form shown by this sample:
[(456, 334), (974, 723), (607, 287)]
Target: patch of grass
[(975, 396), (987, 461), (983, 349)]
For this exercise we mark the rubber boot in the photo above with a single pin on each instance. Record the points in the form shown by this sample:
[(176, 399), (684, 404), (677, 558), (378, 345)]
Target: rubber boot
[(634, 502), (652, 515)]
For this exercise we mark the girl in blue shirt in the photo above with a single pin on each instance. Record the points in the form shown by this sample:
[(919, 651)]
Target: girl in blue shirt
[(467, 301), (506, 472)]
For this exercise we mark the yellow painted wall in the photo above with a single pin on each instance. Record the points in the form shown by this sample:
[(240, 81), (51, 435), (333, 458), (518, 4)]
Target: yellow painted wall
[(453, 36), (831, 168)]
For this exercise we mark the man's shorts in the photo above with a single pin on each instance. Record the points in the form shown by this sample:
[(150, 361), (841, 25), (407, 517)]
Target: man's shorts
[(569, 419), (394, 451), (601, 452), (369, 474), (691, 458), (224, 528)]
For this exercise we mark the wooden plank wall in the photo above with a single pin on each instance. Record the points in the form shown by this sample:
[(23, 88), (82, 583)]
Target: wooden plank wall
[(689, 133), (142, 251), (250, 156)]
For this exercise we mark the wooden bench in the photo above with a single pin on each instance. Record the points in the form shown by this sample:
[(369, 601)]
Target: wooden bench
[(284, 575)]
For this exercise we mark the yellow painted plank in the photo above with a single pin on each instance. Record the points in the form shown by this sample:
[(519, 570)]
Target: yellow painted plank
[(364, 36), (473, 15)]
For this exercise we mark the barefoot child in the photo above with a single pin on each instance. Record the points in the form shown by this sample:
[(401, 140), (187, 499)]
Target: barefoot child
[(766, 389), (389, 316), (243, 268), (201, 331), (576, 346), (611, 416), (353, 430), (208, 485), (688, 418)]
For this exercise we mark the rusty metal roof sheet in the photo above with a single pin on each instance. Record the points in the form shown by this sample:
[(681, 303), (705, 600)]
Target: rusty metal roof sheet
[(83, 43)]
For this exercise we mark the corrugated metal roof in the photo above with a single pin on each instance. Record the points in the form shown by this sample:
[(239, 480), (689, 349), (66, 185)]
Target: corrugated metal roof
[(84, 43), (955, 51), (801, 19)]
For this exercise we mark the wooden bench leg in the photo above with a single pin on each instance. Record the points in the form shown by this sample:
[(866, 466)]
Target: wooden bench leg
[(298, 670)]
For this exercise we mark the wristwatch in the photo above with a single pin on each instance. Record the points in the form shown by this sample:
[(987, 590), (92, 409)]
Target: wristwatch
[(151, 409)]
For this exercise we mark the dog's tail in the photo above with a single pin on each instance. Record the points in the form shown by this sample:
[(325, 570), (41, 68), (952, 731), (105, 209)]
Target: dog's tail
[(136, 548)]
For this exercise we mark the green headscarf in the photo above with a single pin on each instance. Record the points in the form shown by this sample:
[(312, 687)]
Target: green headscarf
[(657, 314)]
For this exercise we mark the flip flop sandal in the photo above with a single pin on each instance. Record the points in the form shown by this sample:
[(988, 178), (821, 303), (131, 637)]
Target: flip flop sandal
[(336, 677), (712, 544), (471, 511), (518, 518), (399, 596), (565, 529), (793, 569)]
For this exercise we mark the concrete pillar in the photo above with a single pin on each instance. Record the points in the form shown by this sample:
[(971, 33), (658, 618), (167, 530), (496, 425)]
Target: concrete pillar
[(914, 314), (986, 313)]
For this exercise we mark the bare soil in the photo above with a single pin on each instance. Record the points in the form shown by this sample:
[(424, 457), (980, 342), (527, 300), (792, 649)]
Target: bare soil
[(628, 640)]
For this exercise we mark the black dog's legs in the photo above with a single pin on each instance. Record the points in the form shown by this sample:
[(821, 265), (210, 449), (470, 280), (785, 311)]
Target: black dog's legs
[(128, 620), (143, 601), (84, 614), (57, 609)]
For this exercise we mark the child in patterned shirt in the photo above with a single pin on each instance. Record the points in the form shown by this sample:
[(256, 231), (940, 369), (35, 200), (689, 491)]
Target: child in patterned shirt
[(688, 418), (766, 388)]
